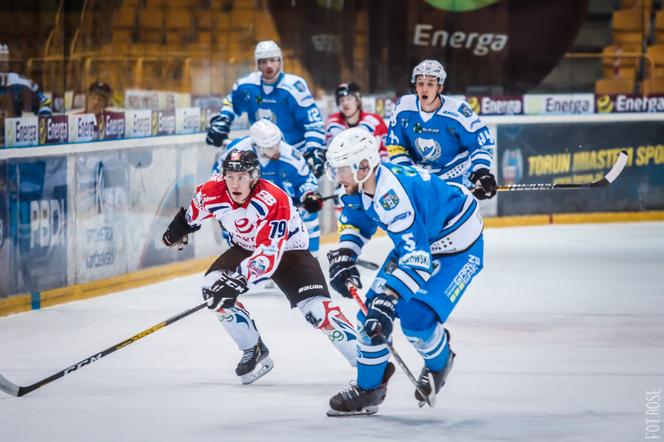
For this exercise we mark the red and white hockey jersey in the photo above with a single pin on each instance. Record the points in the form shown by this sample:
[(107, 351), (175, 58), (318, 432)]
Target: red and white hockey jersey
[(267, 224), (374, 123)]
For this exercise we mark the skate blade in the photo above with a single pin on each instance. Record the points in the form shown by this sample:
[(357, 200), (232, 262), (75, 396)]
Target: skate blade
[(261, 370), (431, 398), (365, 411)]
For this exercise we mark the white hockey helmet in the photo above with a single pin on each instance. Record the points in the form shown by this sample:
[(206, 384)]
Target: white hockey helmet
[(265, 134), (267, 49), (348, 149), (429, 68)]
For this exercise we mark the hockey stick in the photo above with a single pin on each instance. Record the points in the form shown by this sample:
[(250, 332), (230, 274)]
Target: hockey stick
[(367, 264), (430, 399), (16, 390), (610, 177)]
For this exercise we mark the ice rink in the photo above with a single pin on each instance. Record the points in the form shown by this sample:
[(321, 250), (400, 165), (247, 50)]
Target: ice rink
[(557, 339)]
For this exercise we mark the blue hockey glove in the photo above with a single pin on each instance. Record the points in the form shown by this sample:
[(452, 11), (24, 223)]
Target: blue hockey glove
[(220, 126), (485, 184), (315, 157), (380, 318), (224, 291), (343, 269)]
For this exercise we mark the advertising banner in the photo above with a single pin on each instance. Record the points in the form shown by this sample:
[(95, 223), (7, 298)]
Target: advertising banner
[(187, 120), (7, 279), (53, 129), (101, 208), (138, 123), (622, 103), (36, 215), (581, 153), (111, 125), (83, 128), (163, 122), (20, 132), (558, 104), (496, 105)]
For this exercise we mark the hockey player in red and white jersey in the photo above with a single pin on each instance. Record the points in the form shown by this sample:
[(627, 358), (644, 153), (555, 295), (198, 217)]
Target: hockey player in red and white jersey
[(268, 241), (349, 101)]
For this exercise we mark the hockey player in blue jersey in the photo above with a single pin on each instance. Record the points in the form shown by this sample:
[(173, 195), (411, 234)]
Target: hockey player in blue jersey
[(436, 228), (441, 133), (284, 166), (282, 98)]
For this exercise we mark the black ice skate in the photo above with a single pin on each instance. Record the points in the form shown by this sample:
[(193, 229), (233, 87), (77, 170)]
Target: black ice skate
[(255, 363), (436, 378), (355, 401)]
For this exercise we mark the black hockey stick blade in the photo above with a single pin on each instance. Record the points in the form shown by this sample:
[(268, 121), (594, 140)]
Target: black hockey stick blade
[(16, 390), (610, 177), (367, 264)]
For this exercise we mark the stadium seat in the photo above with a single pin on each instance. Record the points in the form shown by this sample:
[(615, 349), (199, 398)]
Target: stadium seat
[(656, 55), (619, 62), (612, 86), (652, 86), (151, 26), (629, 26), (636, 4), (659, 26)]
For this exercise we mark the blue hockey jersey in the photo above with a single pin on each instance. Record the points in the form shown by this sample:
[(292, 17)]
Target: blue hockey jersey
[(423, 215), (290, 171), (451, 142), (288, 103)]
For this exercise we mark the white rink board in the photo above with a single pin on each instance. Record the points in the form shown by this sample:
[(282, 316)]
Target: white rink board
[(557, 339)]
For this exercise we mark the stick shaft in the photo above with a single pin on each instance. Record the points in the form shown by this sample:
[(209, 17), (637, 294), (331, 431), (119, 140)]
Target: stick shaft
[(15, 390)]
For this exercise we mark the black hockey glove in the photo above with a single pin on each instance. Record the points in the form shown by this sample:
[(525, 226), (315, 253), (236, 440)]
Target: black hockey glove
[(343, 269), (315, 157), (380, 318), (485, 184), (220, 126), (224, 291), (178, 229), (312, 202)]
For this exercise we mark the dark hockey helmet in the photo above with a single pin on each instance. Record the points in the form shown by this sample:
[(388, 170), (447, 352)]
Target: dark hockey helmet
[(346, 90), (242, 161)]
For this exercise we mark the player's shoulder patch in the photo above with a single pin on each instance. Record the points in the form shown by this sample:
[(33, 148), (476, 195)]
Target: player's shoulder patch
[(465, 110), (389, 200)]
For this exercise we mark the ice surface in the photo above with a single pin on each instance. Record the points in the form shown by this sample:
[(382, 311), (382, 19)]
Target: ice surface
[(557, 339)]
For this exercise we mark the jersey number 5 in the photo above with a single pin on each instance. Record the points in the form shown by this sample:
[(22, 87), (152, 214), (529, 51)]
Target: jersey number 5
[(277, 229)]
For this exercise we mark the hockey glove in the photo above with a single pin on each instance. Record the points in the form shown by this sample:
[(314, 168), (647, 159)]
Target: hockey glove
[(343, 269), (380, 318), (220, 126), (485, 184), (315, 157), (312, 202), (224, 291), (178, 229)]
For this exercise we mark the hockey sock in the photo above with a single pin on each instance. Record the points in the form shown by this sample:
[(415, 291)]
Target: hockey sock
[(239, 325), (328, 318), (432, 344), (313, 227)]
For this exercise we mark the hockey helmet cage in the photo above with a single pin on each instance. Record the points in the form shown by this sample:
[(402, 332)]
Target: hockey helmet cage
[(241, 161), (346, 90), (429, 68), (267, 49), (265, 134), (349, 148)]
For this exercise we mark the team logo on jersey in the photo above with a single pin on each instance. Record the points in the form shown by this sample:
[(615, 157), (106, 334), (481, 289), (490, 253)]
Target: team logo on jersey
[(259, 265), (243, 225), (465, 110), (390, 200), (299, 86), (404, 122), (429, 148), (417, 128)]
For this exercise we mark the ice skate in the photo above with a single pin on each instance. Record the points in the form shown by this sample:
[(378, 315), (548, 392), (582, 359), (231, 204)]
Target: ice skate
[(255, 363), (437, 378), (355, 401)]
